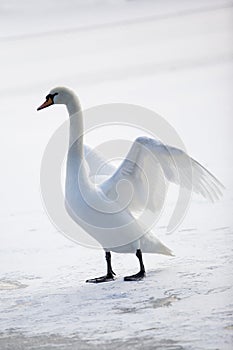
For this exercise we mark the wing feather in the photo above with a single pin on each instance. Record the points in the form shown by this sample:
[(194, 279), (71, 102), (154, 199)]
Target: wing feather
[(151, 164)]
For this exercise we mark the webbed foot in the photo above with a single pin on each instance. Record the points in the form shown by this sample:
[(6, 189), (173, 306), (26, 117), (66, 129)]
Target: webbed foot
[(139, 276), (107, 278)]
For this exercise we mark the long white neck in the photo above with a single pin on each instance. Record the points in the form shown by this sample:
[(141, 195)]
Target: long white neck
[(75, 153), (76, 125)]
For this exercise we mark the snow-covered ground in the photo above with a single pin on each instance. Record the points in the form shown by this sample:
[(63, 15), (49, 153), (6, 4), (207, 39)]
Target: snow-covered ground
[(172, 57)]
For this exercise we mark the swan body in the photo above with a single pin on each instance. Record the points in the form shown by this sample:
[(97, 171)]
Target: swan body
[(108, 218)]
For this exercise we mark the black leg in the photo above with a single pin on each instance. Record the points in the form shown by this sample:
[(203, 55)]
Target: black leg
[(110, 274), (109, 265), (141, 274)]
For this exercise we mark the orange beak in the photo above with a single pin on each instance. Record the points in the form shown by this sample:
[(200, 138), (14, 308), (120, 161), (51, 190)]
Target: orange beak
[(47, 103)]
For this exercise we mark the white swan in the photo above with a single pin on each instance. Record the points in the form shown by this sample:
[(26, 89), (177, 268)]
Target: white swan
[(108, 218)]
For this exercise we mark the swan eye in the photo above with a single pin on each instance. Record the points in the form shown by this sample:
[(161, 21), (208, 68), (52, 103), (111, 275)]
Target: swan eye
[(51, 96)]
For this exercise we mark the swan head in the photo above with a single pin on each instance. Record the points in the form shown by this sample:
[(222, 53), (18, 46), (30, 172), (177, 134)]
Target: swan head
[(59, 95)]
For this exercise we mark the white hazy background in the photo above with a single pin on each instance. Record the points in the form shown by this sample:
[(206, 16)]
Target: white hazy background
[(174, 57)]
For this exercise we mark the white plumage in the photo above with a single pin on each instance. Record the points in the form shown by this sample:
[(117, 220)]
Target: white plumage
[(104, 210)]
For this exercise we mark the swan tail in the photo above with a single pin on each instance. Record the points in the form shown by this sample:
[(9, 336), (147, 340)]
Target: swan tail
[(150, 244)]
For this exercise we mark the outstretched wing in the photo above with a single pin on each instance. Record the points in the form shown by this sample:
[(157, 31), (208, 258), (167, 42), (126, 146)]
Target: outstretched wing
[(149, 167)]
